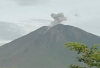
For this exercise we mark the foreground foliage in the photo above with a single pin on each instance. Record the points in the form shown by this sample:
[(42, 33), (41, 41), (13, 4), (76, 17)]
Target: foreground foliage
[(90, 56)]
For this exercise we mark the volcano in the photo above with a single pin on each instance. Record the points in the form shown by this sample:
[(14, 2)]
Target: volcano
[(44, 48)]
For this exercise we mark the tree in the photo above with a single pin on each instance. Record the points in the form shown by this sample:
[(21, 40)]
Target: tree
[(90, 56)]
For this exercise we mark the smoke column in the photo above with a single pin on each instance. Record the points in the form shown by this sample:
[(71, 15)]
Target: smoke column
[(58, 18)]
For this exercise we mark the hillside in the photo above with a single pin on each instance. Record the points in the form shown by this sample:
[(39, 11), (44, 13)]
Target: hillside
[(44, 48)]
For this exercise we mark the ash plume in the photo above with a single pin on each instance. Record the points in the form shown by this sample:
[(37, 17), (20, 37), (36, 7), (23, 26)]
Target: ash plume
[(58, 18)]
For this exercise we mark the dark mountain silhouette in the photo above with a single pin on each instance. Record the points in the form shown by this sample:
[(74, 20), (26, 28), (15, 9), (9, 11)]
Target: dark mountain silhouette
[(44, 48)]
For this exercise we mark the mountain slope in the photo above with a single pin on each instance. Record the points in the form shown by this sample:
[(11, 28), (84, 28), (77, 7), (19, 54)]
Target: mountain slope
[(44, 48)]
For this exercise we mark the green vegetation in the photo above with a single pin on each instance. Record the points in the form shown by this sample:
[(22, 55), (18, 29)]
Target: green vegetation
[(90, 56)]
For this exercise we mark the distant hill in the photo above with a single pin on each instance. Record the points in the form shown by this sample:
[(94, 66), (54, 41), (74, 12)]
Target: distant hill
[(44, 48), (9, 31)]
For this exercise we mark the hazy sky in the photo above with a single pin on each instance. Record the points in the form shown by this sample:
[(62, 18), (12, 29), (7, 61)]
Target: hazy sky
[(81, 13)]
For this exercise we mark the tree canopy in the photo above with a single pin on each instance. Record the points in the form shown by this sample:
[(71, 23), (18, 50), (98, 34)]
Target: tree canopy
[(90, 56)]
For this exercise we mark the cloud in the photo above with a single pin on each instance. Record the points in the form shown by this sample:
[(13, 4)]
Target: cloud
[(28, 2)]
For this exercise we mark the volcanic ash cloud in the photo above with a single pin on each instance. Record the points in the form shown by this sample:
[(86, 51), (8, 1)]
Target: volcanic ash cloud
[(58, 18)]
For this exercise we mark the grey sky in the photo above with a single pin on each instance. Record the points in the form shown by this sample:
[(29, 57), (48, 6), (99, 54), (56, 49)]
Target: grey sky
[(28, 2), (88, 12)]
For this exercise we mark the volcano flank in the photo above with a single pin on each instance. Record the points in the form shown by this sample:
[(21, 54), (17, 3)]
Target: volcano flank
[(45, 48)]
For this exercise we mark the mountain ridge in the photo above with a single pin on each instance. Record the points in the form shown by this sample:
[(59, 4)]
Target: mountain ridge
[(44, 48)]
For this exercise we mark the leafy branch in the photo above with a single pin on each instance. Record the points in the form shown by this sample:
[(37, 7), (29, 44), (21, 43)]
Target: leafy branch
[(90, 56)]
